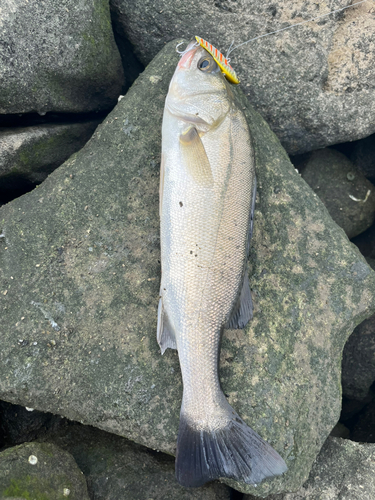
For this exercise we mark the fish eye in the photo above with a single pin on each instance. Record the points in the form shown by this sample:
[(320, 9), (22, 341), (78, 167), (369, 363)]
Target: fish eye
[(207, 64)]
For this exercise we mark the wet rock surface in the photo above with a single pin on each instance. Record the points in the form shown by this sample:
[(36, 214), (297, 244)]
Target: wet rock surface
[(343, 470), (344, 190), (79, 286), (313, 83), (58, 56), (41, 471), (115, 468), (358, 364)]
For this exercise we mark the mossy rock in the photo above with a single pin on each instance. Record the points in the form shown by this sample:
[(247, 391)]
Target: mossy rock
[(40, 471), (58, 56)]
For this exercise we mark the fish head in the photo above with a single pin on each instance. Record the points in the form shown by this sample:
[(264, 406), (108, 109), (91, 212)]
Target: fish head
[(199, 93)]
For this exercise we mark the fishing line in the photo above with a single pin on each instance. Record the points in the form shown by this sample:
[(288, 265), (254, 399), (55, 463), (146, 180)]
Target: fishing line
[(182, 52), (292, 26)]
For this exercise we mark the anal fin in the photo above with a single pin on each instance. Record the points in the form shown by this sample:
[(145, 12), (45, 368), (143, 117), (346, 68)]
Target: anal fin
[(165, 334), (243, 310)]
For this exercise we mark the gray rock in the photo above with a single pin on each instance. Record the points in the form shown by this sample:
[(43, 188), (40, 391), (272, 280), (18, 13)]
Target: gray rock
[(311, 90), (336, 181), (58, 56), (80, 271), (363, 156), (343, 470), (40, 471), (371, 263), (28, 155), (117, 469), (358, 362)]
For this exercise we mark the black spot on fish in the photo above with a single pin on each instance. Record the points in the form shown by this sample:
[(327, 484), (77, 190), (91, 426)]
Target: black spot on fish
[(180, 203)]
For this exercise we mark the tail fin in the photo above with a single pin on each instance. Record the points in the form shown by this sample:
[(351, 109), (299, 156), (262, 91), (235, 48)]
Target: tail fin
[(234, 451)]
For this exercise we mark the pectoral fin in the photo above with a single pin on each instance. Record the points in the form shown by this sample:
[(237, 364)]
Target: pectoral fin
[(165, 334), (243, 310), (195, 157)]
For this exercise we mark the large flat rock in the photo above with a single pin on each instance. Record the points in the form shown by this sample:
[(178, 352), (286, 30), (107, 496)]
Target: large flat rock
[(80, 270), (314, 84)]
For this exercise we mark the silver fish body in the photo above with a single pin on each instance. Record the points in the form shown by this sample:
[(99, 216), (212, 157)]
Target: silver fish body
[(207, 192)]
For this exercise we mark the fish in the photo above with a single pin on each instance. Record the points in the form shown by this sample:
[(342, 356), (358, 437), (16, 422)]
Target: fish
[(207, 200)]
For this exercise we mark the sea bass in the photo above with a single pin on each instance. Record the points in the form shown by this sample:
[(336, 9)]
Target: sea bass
[(207, 196)]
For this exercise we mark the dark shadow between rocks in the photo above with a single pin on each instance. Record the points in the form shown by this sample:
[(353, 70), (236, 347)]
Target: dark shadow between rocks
[(19, 424), (366, 242), (8, 194), (131, 64), (355, 415), (32, 119)]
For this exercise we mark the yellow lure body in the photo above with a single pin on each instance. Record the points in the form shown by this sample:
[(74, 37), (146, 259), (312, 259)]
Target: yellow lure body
[(222, 62)]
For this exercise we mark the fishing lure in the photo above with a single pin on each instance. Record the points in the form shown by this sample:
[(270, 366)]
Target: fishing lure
[(221, 61)]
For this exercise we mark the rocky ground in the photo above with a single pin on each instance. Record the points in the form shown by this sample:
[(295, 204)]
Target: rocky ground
[(89, 408)]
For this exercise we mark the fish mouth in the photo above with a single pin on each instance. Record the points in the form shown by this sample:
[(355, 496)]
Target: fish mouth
[(187, 55)]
